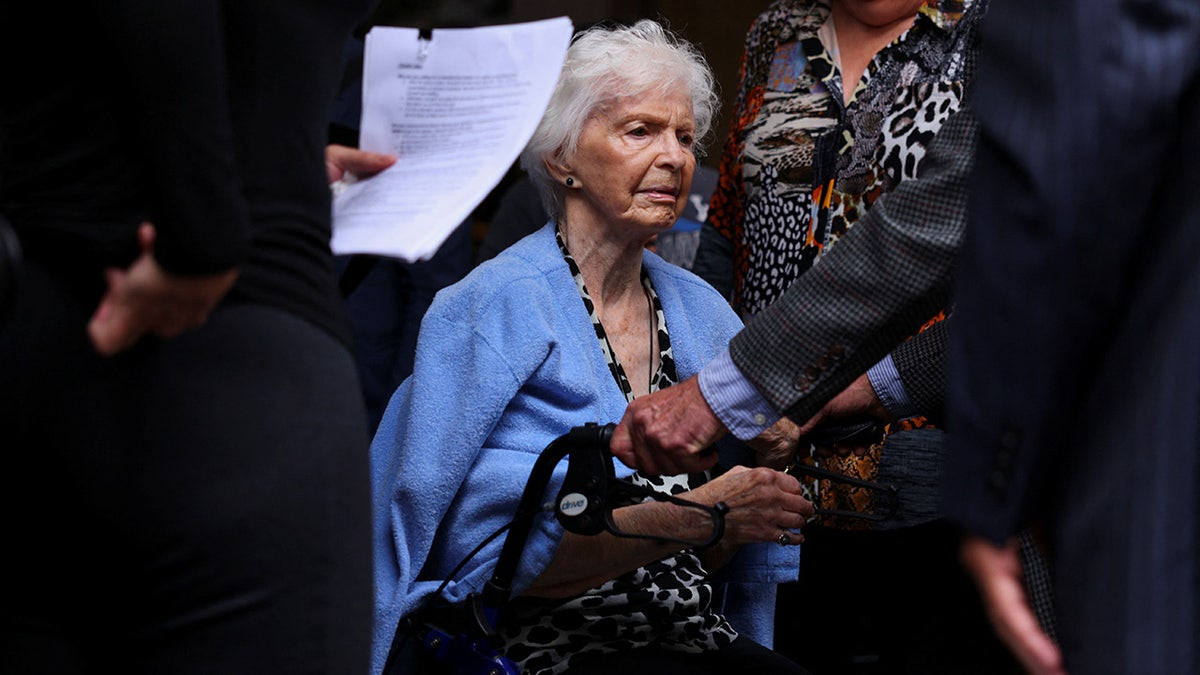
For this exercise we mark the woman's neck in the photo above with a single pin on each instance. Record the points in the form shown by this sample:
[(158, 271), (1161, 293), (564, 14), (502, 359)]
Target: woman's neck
[(612, 273), (862, 31), (611, 268)]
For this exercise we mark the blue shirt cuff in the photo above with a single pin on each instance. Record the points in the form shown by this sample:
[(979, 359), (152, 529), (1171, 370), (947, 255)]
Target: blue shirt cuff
[(888, 386), (734, 399)]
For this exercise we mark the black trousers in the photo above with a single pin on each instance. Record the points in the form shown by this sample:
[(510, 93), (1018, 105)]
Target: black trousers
[(197, 505), (886, 603)]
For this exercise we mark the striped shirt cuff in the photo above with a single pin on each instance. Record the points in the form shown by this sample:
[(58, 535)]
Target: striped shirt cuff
[(885, 380), (734, 399)]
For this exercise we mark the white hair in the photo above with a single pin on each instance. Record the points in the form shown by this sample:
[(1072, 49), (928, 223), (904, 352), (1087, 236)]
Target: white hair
[(606, 63)]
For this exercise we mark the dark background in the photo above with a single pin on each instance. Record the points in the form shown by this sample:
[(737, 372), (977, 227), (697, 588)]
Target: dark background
[(718, 27)]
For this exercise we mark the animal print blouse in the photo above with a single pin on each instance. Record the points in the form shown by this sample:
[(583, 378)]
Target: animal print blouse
[(799, 167), (668, 602)]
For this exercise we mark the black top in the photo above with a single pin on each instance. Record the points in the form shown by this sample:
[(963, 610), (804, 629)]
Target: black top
[(207, 119)]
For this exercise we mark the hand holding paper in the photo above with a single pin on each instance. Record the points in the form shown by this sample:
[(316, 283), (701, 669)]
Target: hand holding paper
[(457, 110)]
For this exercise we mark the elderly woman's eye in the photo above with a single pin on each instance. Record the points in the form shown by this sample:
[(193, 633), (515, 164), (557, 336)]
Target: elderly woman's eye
[(639, 132), (686, 139)]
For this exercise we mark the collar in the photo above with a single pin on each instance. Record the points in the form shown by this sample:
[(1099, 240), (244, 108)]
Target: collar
[(946, 14)]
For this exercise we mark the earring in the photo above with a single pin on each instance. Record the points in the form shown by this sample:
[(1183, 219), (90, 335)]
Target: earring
[(570, 181)]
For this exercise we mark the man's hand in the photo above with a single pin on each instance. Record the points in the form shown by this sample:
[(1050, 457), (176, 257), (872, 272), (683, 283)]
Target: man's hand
[(147, 299), (668, 432), (341, 160), (997, 573), (856, 402)]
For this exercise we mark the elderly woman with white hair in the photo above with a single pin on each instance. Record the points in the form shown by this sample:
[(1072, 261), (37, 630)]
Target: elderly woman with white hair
[(562, 329)]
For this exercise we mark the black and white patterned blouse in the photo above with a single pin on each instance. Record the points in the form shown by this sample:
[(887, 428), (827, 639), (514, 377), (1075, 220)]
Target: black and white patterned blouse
[(800, 167), (666, 603)]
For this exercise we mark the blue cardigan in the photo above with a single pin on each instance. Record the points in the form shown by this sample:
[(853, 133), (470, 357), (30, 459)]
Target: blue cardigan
[(507, 361)]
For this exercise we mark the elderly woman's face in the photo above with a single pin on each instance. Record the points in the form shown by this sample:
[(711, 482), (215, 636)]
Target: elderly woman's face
[(635, 163)]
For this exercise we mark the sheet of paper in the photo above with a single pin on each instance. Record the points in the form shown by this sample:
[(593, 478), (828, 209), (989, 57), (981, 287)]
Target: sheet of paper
[(456, 109)]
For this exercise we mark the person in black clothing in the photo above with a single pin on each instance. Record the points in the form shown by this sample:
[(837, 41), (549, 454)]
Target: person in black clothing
[(185, 487)]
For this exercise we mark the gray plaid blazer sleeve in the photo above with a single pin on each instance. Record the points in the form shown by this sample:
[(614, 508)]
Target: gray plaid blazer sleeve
[(921, 362), (892, 272)]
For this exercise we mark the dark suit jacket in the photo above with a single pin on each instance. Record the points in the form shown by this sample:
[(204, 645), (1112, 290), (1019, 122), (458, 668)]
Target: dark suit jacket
[(1075, 358), (890, 274)]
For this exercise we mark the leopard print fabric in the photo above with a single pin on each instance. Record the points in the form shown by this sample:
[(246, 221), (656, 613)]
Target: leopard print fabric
[(667, 602), (673, 609), (800, 168)]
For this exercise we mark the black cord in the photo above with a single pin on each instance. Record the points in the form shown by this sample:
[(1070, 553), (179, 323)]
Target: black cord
[(474, 552)]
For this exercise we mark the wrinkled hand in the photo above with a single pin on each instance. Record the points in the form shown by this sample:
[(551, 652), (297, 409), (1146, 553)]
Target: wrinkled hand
[(997, 573), (341, 160), (776, 446), (762, 504), (668, 432), (146, 299)]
